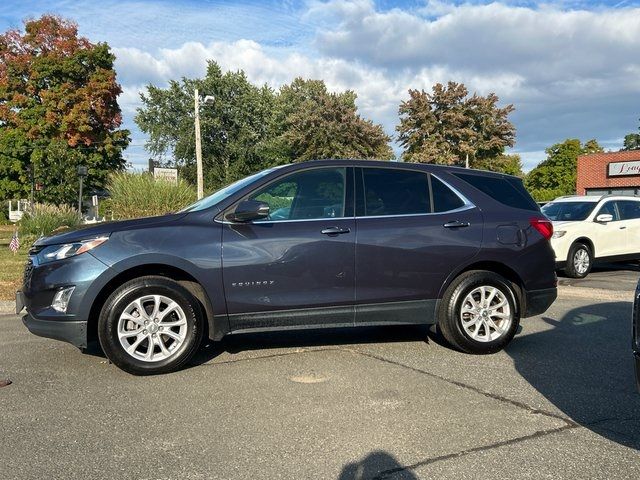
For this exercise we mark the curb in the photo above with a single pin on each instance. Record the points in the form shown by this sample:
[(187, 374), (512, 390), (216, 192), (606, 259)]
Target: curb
[(564, 291)]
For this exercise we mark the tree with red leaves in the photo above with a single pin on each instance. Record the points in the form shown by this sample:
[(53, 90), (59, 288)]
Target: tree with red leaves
[(58, 110)]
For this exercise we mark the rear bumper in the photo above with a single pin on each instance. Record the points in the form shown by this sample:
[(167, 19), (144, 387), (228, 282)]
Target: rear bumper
[(538, 301), (73, 332), (635, 333)]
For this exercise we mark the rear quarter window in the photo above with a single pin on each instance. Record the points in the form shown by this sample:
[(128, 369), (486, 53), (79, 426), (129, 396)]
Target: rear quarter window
[(508, 191)]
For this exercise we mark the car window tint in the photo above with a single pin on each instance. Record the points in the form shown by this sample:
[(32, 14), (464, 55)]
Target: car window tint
[(395, 192), (506, 190), (611, 209), (629, 209), (315, 193), (444, 199)]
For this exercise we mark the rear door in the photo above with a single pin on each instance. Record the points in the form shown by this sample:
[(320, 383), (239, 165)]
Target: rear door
[(630, 218), (412, 231)]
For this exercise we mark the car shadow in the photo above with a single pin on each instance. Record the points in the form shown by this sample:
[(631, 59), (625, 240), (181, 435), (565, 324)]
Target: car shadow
[(583, 365), (378, 464), (326, 337)]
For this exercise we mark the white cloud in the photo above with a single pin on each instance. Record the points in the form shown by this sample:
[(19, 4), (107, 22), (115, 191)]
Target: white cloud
[(569, 73)]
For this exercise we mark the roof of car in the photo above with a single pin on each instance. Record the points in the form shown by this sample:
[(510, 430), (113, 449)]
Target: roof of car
[(400, 164), (593, 198)]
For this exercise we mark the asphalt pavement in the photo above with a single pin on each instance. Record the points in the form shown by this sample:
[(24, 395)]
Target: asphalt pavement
[(559, 402)]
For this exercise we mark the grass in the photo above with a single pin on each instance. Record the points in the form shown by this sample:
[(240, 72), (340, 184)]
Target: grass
[(11, 265)]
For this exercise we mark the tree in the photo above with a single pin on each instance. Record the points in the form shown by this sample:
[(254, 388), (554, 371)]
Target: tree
[(58, 110), (631, 141), (509, 164), (232, 127), (556, 175), (249, 128), (447, 126), (313, 123)]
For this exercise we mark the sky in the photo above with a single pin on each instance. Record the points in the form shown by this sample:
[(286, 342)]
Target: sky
[(570, 68)]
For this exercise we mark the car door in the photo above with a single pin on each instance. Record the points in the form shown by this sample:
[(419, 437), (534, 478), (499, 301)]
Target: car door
[(630, 219), (608, 237), (413, 230), (296, 267)]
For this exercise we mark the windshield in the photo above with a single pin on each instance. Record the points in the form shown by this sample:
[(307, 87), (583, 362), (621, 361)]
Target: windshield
[(223, 193), (568, 211)]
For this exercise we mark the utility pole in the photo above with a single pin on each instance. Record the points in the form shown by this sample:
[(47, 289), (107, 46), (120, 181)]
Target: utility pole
[(198, 146), (466, 161), (82, 172)]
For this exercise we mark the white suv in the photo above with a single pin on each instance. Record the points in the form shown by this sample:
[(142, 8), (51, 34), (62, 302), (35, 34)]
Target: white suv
[(593, 228)]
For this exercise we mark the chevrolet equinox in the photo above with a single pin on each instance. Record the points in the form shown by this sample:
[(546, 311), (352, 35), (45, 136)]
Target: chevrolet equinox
[(318, 244)]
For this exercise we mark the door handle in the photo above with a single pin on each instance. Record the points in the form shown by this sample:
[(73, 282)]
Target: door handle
[(334, 231), (456, 224)]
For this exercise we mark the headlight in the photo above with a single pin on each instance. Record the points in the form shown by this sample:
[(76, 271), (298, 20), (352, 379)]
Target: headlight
[(58, 252), (558, 233)]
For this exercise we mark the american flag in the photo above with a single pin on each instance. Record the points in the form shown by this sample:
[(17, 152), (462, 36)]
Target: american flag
[(14, 244)]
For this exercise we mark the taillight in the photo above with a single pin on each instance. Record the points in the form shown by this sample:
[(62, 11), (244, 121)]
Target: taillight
[(544, 226)]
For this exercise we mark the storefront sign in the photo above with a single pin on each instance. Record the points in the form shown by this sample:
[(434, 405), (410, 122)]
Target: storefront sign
[(617, 169)]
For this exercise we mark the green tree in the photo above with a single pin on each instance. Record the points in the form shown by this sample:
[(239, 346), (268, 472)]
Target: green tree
[(232, 127), (556, 175), (248, 128), (447, 126), (631, 141), (313, 123), (509, 164), (58, 110)]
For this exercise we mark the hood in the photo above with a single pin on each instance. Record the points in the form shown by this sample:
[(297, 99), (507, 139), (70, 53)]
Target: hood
[(105, 228), (562, 225)]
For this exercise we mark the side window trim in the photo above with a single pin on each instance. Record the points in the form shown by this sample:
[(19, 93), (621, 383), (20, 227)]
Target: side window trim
[(349, 194)]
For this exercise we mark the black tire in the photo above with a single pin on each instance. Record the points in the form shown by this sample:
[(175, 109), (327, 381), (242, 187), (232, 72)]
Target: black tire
[(573, 271), (450, 321), (188, 315)]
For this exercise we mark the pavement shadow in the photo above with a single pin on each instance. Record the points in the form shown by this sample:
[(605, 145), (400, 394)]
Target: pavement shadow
[(583, 365), (328, 337), (376, 465)]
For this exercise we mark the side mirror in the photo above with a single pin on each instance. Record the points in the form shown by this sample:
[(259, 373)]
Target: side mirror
[(604, 218), (249, 210)]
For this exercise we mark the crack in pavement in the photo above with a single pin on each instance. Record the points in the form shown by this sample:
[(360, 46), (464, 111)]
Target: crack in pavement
[(493, 396), (542, 433)]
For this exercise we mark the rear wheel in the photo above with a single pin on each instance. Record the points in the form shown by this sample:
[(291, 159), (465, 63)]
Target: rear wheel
[(579, 261), (150, 325), (479, 313)]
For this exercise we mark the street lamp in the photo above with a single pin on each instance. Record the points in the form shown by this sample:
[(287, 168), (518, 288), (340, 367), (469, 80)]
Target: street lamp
[(82, 172), (209, 99)]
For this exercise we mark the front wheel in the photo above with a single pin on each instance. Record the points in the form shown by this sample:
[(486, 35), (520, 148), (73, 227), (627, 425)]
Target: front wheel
[(479, 313), (150, 325), (579, 261)]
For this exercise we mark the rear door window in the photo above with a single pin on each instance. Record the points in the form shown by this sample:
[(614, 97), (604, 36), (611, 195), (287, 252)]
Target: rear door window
[(629, 209), (506, 190), (390, 191)]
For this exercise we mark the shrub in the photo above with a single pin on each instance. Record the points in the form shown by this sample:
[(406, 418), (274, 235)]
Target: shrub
[(46, 218), (140, 195)]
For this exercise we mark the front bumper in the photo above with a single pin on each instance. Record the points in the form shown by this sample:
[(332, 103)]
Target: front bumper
[(73, 332), (538, 301)]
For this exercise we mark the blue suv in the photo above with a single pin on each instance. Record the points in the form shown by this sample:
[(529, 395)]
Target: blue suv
[(317, 244)]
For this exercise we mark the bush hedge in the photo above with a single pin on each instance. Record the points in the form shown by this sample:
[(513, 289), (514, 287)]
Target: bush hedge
[(45, 218), (140, 195)]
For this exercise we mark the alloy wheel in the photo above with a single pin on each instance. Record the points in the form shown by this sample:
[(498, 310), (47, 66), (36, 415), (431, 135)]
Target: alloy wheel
[(152, 328), (485, 314)]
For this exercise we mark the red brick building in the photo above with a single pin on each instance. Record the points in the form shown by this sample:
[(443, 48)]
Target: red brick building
[(615, 172)]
